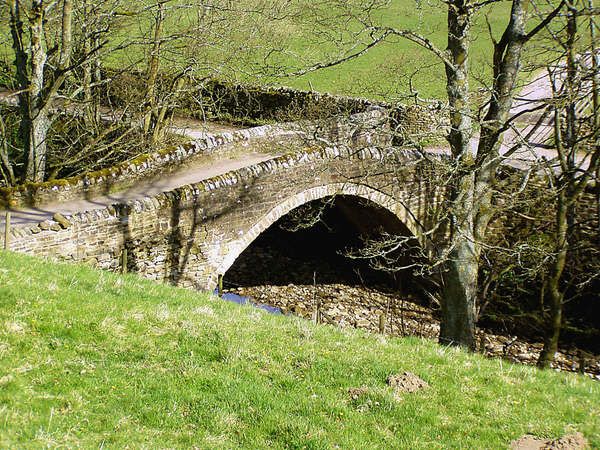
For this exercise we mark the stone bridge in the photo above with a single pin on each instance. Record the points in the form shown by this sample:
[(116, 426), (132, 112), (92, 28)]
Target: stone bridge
[(143, 214), (191, 235)]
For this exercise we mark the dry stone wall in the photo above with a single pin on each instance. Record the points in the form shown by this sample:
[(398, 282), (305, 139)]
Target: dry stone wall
[(414, 122), (251, 104)]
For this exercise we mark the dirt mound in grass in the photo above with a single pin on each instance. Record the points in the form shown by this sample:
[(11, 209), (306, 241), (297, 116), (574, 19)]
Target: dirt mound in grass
[(356, 393), (570, 442), (406, 382)]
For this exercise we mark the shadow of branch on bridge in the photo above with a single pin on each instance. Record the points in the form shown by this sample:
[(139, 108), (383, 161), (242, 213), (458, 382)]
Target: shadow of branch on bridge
[(111, 192), (188, 238), (180, 245)]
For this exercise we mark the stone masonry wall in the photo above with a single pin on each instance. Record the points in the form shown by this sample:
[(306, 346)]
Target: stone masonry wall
[(145, 167), (259, 103), (189, 236), (251, 104)]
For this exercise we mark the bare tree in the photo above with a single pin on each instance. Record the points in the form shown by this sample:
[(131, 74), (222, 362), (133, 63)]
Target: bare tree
[(41, 68), (165, 48), (578, 158), (52, 43), (475, 155)]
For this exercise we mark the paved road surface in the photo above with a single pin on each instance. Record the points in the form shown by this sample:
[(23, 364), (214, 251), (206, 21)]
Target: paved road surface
[(194, 174)]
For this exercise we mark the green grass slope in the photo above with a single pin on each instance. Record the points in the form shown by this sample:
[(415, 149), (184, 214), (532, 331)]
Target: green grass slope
[(93, 359), (389, 70), (237, 43)]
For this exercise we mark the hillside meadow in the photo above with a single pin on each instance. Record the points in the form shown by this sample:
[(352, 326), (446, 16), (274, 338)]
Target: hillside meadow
[(95, 359), (265, 42)]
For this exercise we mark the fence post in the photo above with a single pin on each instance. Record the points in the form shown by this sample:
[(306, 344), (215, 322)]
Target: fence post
[(581, 362), (124, 260), (382, 323), (220, 286), (316, 301), (317, 312)]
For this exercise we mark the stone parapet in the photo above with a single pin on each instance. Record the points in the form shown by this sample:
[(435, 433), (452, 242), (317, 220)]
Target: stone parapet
[(366, 128)]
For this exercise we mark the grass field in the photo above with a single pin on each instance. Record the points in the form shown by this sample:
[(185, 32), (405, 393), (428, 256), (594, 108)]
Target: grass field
[(238, 51), (92, 359), (233, 45), (385, 71)]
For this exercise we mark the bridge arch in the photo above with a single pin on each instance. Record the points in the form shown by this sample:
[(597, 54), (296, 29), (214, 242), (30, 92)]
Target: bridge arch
[(394, 206)]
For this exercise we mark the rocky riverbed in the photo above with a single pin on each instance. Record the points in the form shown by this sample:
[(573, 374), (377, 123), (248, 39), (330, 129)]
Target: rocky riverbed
[(367, 308)]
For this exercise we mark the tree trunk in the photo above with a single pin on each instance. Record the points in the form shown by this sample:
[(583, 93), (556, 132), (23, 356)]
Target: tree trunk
[(596, 105), (6, 168), (161, 118), (553, 289), (506, 65), (35, 126), (151, 115), (37, 132), (459, 308), (567, 147), (35, 91), (470, 200), (459, 290), (90, 107)]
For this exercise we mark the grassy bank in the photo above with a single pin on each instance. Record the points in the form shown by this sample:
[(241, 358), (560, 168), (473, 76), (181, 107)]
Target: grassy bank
[(93, 359), (244, 46)]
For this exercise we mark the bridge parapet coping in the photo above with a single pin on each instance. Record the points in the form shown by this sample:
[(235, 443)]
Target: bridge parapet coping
[(228, 179), (126, 174)]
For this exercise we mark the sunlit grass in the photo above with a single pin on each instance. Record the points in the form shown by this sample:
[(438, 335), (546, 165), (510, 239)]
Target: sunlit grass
[(235, 45), (93, 359)]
